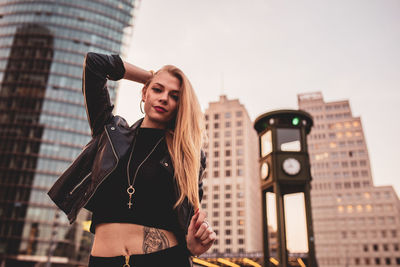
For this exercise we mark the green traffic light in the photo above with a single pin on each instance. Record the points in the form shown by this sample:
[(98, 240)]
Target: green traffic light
[(295, 121)]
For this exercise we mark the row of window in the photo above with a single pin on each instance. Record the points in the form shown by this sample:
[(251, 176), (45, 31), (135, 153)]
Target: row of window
[(228, 213), (227, 143), (228, 133), (362, 208), (381, 247), (343, 154), (227, 115), (348, 185), (215, 223), (227, 173), (361, 261), (227, 196), (227, 187), (239, 162)]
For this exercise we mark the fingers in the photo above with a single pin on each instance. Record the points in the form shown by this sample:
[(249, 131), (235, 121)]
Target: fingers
[(210, 239), (200, 219)]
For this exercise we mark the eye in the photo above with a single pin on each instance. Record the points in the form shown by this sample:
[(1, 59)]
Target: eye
[(155, 89), (175, 97)]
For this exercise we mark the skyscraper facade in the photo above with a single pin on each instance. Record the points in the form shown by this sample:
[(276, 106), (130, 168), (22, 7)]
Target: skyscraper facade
[(43, 124), (232, 196), (355, 222)]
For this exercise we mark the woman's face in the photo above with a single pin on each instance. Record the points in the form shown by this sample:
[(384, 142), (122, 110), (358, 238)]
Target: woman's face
[(161, 100)]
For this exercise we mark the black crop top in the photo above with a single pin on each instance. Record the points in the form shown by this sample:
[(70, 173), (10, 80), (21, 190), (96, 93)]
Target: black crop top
[(153, 199)]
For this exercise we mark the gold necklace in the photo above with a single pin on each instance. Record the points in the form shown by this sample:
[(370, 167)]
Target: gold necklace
[(131, 190)]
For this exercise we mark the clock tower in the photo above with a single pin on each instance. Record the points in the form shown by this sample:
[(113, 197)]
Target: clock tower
[(284, 169)]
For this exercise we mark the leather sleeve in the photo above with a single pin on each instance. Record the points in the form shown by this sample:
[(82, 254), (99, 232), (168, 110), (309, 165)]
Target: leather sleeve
[(97, 68), (202, 168)]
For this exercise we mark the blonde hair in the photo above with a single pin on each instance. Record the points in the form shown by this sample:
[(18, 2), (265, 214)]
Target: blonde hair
[(185, 137)]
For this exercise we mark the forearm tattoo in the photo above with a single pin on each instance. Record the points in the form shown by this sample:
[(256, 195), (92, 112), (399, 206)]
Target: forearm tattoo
[(154, 240)]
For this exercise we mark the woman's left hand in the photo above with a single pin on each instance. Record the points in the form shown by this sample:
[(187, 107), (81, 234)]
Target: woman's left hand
[(200, 235)]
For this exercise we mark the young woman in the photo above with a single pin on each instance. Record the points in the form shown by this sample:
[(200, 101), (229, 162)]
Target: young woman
[(141, 182)]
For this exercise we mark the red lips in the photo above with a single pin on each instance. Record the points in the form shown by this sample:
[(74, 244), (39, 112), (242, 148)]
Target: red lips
[(160, 109)]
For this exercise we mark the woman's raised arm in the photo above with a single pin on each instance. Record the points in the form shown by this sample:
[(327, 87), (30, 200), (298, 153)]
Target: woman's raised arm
[(136, 74)]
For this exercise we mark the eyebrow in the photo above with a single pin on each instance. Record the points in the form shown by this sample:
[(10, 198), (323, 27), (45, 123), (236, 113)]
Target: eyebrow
[(174, 91)]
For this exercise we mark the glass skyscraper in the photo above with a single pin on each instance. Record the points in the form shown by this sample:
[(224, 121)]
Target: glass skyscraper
[(43, 124)]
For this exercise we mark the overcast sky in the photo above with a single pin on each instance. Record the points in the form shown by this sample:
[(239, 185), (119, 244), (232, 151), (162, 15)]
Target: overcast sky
[(269, 51)]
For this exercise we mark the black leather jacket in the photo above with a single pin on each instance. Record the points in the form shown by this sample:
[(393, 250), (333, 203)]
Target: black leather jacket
[(111, 137)]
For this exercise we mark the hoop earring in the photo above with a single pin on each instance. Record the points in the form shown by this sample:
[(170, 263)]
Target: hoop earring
[(140, 104)]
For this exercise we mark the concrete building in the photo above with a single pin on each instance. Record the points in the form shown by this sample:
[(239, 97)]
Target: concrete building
[(355, 222), (43, 124), (232, 195)]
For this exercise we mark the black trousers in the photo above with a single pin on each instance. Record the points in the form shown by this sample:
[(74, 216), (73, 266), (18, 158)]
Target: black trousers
[(173, 256)]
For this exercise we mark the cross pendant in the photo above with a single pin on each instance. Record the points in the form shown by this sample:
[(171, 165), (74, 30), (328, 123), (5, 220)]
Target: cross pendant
[(130, 204)]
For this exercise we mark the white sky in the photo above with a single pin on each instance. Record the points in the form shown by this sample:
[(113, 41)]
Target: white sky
[(269, 51)]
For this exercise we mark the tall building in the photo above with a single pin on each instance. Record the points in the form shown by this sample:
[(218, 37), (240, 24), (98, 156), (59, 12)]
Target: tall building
[(43, 124), (355, 222), (232, 196)]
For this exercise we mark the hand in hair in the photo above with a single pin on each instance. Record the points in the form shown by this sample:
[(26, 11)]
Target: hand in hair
[(136, 74), (200, 235)]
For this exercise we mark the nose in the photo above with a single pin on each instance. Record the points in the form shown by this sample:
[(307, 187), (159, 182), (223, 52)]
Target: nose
[(164, 97)]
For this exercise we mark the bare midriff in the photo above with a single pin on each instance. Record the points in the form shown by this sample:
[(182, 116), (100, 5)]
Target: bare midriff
[(115, 239)]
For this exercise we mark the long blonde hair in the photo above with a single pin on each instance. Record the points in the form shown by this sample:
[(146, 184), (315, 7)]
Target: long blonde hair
[(184, 137)]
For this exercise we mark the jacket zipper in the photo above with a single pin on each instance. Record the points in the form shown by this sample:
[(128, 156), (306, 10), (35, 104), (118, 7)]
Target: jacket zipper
[(115, 154), (72, 191)]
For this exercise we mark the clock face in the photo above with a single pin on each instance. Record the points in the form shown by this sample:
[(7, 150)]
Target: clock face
[(291, 166), (264, 171)]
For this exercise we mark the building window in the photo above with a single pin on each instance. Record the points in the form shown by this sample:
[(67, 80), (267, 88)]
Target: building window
[(239, 172), (228, 133), (216, 196), (375, 247), (239, 132), (216, 134), (228, 195), (239, 162), (216, 144), (239, 123), (216, 125), (240, 232), (216, 153), (216, 163), (227, 124), (227, 204), (228, 173), (240, 222), (239, 142), (215, 223), (239, 152), (241, 241), (228, 232), (227, 143), (228, 214), (216, 174), (228, 187), (206, 117), (228, 162), (227, 115), (228, 222), (216, 116), (215, 214), (227, 153), (239, 113), (388, 261), (377, 261)]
